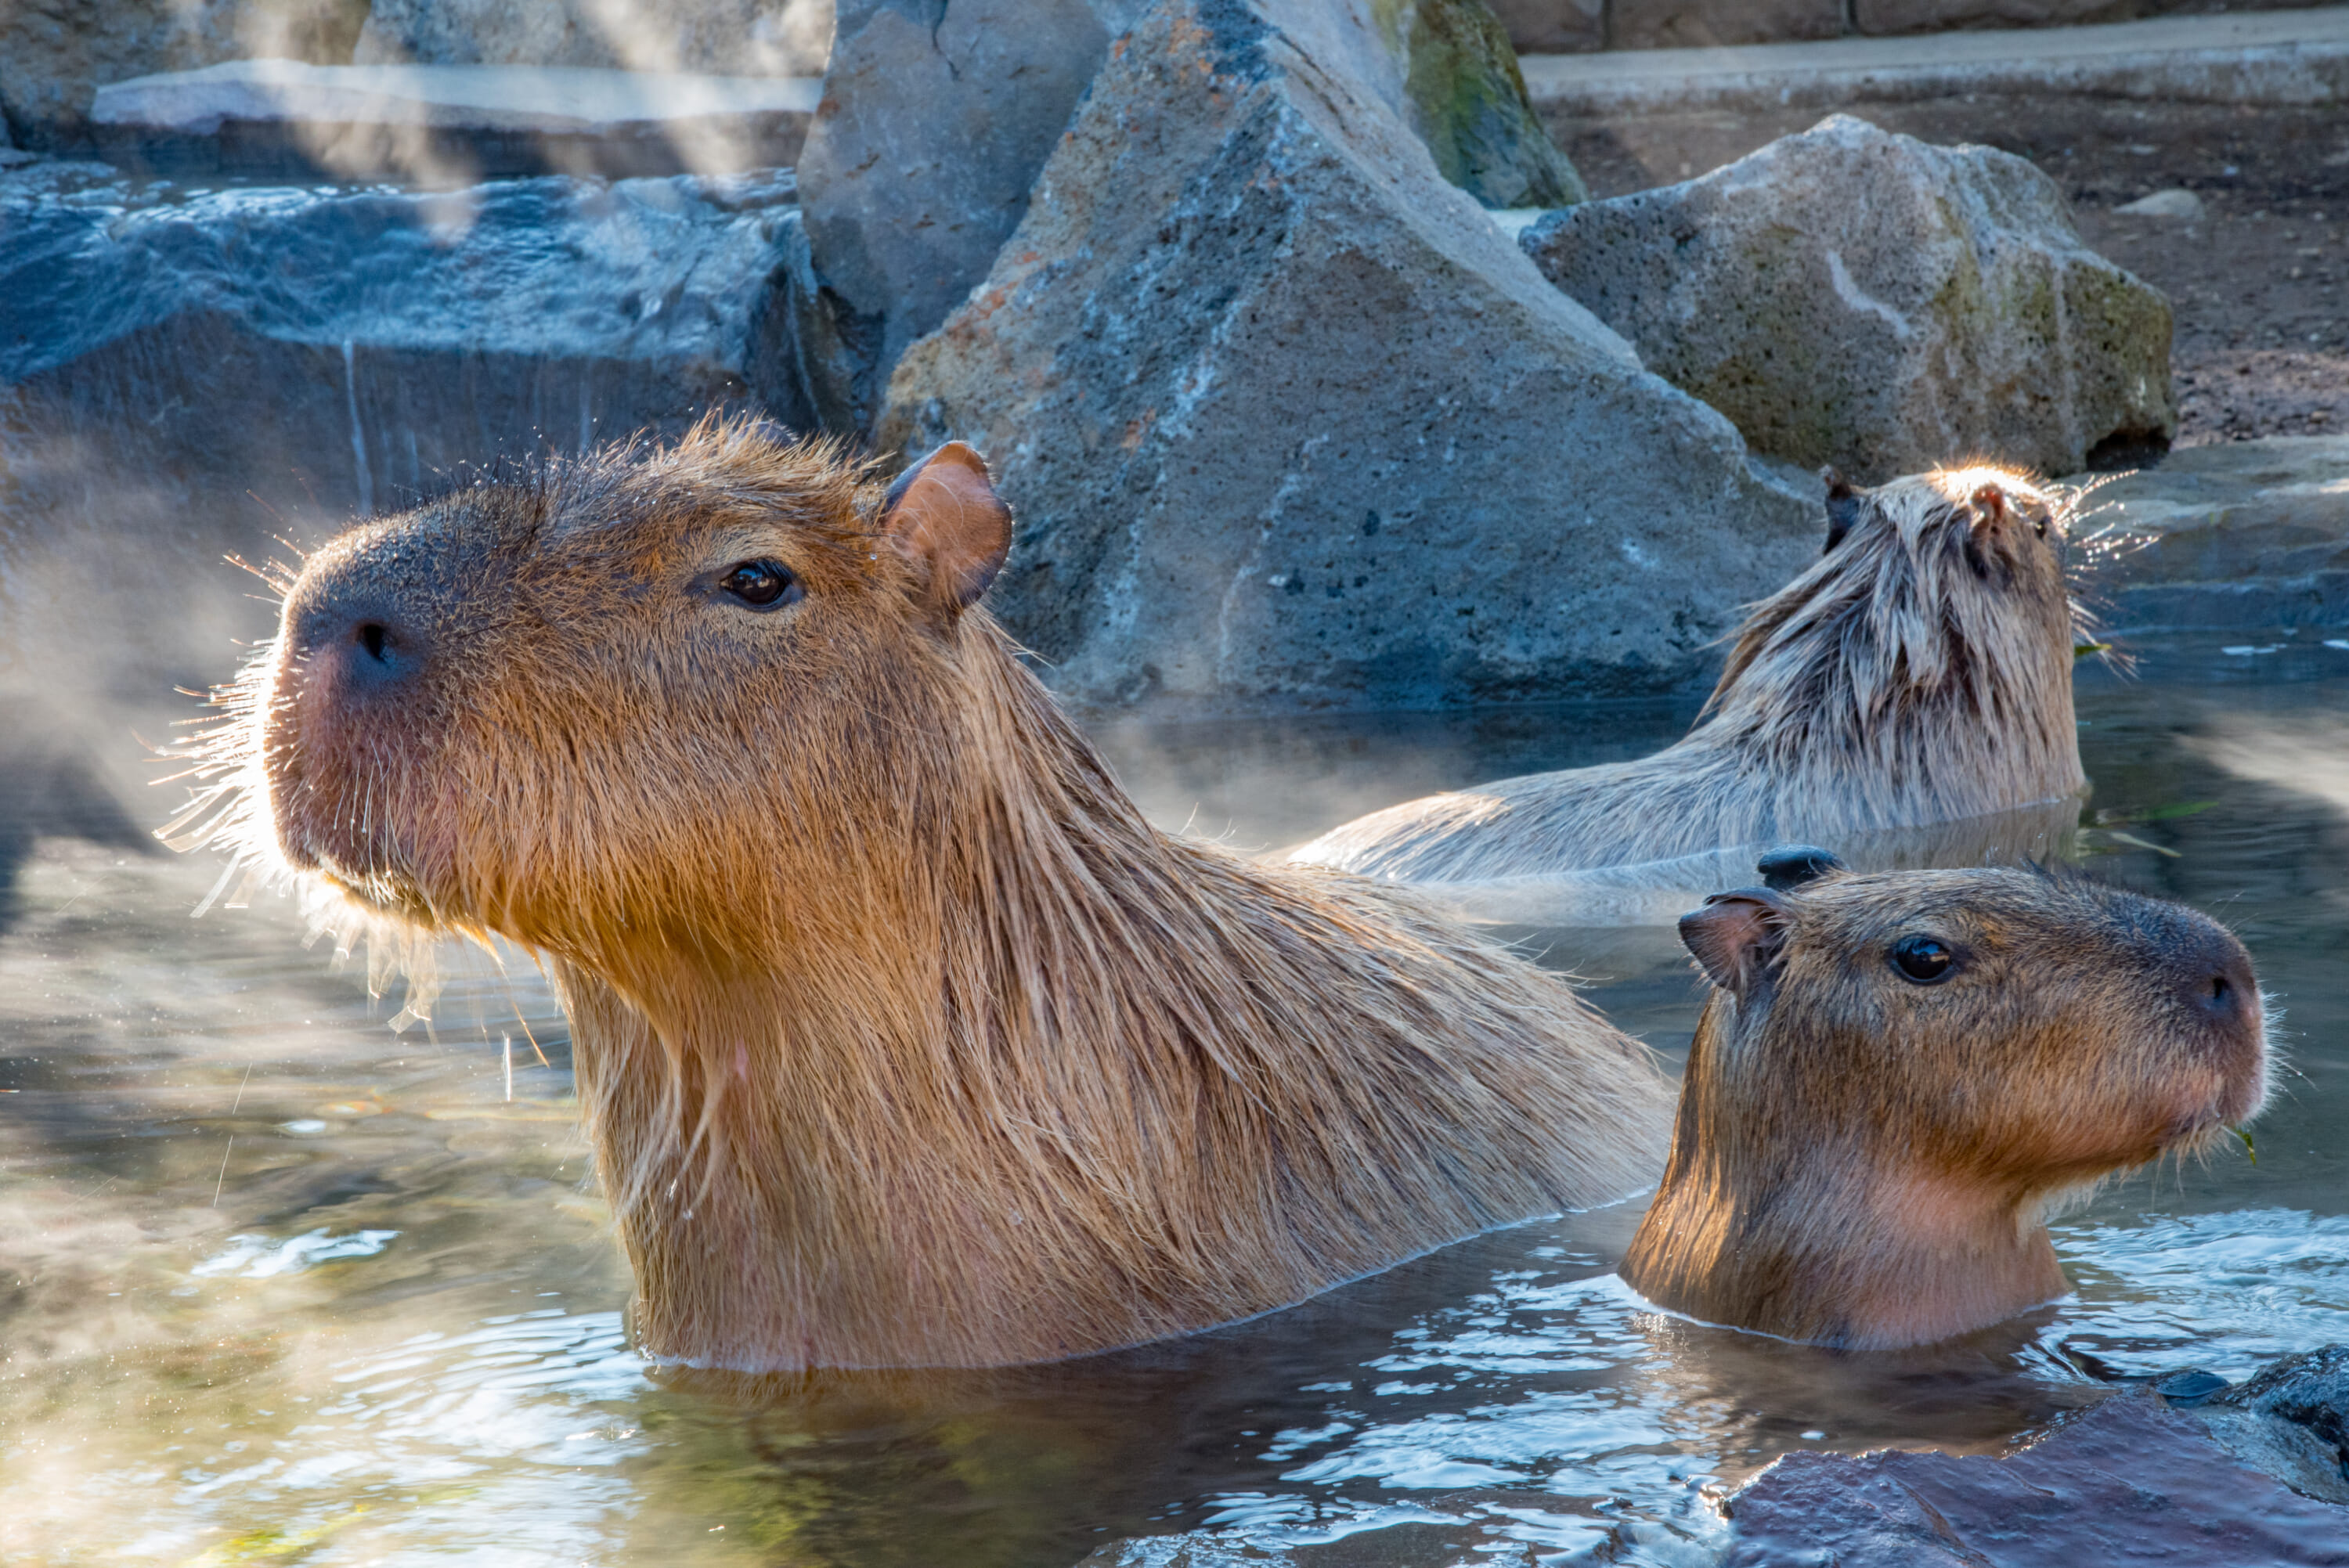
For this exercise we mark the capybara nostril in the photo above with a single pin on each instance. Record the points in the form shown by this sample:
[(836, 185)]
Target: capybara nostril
[(375, 639)]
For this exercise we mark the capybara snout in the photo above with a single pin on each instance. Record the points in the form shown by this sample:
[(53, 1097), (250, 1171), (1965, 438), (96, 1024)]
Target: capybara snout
[(1898, 1073), (2015, 1018)]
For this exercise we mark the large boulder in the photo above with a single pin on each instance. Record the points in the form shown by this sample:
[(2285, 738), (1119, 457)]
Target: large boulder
[(930, 131), (1859, 298), (186, 374), (1285, 418), (935, 121)]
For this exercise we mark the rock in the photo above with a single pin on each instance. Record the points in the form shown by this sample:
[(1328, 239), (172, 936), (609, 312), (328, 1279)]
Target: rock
[(726, 37), (198, 371), (1706, 24), (2172, 204), (1467, 100), (1855, 297), (2247, 535), (1286, 418), (2129, 1481), (2310, 1394), (55, 54), (445, 126), (932, 129)]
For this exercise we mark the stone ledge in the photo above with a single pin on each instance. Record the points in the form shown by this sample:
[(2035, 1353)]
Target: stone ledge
[(448, 124), (2271, 56), (2246, 535)]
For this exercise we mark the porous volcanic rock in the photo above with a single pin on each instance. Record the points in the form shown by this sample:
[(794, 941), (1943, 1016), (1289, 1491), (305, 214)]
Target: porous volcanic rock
[(929, 136), (1285, 418), (932, 129), (1855, 297)]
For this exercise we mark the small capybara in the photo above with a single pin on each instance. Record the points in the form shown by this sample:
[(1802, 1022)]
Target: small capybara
[(1920, 673), (1897, 1074), (902, 1039)]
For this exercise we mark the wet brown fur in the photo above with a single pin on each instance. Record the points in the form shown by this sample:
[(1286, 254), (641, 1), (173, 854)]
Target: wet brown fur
[(1864, 1162), (1920, 673), (903, 1039)]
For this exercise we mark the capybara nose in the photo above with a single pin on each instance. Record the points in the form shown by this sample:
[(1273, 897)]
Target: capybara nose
[(360, 646), (2225, 990)]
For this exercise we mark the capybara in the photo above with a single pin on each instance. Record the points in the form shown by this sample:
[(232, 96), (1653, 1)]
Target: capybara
[(1920, 673), (902, 1039), (1897, 1074)]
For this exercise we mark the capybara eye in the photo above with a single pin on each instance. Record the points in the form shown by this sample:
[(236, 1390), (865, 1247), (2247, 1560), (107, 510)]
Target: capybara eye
[(762, 584), (1923, 959)]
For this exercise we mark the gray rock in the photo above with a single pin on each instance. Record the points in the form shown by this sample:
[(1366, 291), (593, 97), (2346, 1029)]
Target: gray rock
[(1859, 298), (2130, 1481), (2173, 203), (1466, 97), (2243, 536), (187, 373), (934, 123), (2310, 1395), (936, 119), (1286, 418)]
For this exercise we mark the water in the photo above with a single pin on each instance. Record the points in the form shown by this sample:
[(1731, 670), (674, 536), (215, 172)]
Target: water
[(279, 1285)]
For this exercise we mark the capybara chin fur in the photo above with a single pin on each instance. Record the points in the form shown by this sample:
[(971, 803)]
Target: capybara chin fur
[(902, 1039), (1897, 1074), (1920, 673)]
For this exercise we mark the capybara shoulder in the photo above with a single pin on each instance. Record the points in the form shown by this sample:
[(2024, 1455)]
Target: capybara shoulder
[(1920, 673), (1897, 1073), (903, 1038)]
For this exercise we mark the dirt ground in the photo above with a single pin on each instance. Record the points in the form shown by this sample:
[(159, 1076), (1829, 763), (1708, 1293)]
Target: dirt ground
[(2263, 327)]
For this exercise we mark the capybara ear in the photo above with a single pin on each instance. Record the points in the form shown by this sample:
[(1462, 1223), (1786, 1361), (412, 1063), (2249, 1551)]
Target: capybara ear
[(1735, 938), (1990, 506), (1843, 508), (943, 515), (1791, 865)]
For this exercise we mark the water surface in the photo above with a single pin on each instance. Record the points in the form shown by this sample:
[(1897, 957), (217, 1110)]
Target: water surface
[(278, 1285)]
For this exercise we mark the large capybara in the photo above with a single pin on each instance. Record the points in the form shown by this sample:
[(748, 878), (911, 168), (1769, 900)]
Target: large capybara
[(1897, 1074), (1918, 673), (903, 1039)]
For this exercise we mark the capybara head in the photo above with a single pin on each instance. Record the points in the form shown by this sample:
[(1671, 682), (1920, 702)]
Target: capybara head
[(724, 656), (1896, 1074), (1940, 598)]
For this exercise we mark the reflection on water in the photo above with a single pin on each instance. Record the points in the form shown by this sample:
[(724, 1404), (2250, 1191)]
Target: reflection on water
[(279, 1285)]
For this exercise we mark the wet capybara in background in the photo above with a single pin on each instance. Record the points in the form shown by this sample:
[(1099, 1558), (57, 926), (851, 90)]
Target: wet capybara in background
[(1898, 1073), (902, 1039), (1920, 674)]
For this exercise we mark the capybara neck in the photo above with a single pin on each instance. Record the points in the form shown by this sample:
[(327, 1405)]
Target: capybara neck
[(1897, 1074), (1920, 673), (903, 1038)]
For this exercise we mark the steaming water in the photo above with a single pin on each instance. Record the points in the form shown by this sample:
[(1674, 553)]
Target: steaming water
[(278, 1285)]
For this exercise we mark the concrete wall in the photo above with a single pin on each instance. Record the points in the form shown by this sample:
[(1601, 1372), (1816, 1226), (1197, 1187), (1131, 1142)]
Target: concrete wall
[(1552, 27)]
